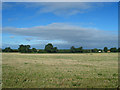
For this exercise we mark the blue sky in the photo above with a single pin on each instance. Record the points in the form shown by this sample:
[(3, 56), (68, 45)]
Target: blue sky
[(91, 25)]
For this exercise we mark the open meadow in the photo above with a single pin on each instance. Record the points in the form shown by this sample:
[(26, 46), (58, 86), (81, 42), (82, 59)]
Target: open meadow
[(87, 70)]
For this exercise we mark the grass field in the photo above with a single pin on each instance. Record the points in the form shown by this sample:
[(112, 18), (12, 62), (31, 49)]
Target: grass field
[(97, 70)]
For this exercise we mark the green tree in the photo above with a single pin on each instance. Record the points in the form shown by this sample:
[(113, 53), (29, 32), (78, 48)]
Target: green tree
[(95, 50), (27, 47), (41, 51), (34, 50), (21, 49), (79, 50), (7, 49), (55, 50), (118, 49), (24, 48), (105, 49), (14, 50), (113, 49), (49, 48), (73, 50)]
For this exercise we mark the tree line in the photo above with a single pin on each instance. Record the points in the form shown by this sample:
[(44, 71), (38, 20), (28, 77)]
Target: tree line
[(49, 48)]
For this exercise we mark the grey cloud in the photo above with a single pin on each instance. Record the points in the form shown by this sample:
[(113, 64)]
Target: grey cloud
[(68, 35)]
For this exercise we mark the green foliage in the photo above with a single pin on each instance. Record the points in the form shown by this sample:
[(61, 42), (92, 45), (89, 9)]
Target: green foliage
[(14, 50), (86, 51), (34, 50), (79, 50), (41, 51), (55, 50), (7, 49), (105, 49), (50, 49), (24, 48), (76, 50), (64, 51), (113, 49), (118, 49), (73, 50), (95, 50)]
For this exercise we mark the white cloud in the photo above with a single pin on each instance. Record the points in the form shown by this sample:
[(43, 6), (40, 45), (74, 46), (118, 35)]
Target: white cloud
[(66, 34)]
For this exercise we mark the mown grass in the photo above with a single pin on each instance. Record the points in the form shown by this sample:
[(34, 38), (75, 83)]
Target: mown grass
[(96, 70)]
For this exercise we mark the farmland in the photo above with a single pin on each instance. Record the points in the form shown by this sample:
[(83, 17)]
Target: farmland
[(86, 70)]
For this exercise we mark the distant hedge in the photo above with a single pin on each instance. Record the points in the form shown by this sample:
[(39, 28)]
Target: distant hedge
[(49, 48)]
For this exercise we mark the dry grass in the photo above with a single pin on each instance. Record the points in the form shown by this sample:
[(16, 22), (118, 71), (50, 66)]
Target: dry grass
[(60, 70)]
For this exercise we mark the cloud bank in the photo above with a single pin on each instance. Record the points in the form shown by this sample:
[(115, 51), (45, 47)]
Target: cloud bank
[(66, 35)]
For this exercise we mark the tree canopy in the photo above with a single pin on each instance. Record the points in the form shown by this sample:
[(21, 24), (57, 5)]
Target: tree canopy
[(105, 49), (49, 48)]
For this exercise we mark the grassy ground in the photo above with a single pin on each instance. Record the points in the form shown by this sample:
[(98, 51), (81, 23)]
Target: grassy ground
[(98, 70)]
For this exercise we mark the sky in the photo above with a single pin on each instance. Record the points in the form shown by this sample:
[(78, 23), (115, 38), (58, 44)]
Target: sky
[(64, 24)]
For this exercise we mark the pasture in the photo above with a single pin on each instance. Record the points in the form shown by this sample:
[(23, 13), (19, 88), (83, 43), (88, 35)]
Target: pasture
[(97, 70)]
